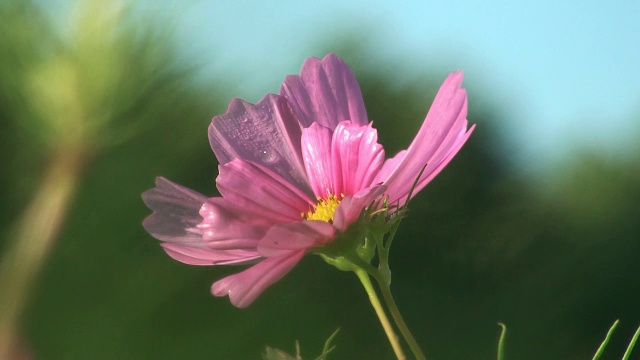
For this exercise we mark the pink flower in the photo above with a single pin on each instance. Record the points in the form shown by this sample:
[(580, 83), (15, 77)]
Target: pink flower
[(296, 169)]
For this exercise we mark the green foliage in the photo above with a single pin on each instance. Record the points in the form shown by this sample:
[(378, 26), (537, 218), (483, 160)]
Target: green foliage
[(275, 354)]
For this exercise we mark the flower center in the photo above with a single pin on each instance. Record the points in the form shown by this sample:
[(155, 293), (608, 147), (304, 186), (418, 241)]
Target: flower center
[(324, 209)]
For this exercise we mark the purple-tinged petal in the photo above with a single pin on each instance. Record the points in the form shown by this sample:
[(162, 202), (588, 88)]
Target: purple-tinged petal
[(227, 226), (260, 191), (175, 215), (266, 133), (243, 288), (326, 92), (351, 207), (176, 221), (356, 157), (446, 116), (301, 235), (204, 257), (316, 153)]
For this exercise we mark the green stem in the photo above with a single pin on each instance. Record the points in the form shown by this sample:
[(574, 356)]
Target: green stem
[(397, 317), (33, 239), (375, 302)]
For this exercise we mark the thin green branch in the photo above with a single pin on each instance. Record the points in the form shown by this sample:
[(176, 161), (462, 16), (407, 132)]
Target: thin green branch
[(328, 347)]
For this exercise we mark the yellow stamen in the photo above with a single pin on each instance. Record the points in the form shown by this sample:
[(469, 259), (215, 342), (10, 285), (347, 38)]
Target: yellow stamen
[(324, 209)]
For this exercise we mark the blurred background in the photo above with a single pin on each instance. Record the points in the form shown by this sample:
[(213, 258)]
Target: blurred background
[(534, 224)]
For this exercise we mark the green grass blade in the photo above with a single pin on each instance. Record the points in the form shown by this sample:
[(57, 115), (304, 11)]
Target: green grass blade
[(605, 342), (627, 353), (501, 341)]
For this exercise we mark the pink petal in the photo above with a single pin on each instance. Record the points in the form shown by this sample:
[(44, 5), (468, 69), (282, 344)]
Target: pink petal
[(434, 141), (351, 207), (266, 133), (326, 92), (316, 153), (197, 256), (262, 192), (390, 165), (243, 288), (356, 157), (227, 226), (175, 215), (301, 235), (442, 159)]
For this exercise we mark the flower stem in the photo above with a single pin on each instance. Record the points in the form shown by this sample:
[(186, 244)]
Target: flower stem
[(375, 302), (33, 239), (397, 317)]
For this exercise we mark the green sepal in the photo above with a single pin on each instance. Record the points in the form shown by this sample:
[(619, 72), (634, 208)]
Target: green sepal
[(341, 263), (367, 249)]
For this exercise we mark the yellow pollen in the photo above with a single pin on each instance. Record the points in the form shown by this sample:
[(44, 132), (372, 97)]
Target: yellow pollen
[(324, 209)]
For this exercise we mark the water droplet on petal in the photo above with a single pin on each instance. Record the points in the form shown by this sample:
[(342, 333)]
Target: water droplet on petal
[(269, 156)]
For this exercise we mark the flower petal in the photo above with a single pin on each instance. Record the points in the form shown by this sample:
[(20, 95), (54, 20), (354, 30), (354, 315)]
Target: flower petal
[(356, 157), (446, 116), (316, 153), (351, 207), (326, 92), (444, 155), (266, 133), (243, 288), (197, 256), (390, 165), (175, 215), (301, 235), (262, 192), (230, 227)]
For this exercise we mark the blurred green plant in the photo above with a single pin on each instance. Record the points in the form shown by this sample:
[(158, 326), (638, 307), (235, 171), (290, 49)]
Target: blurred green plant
[(73, 93)]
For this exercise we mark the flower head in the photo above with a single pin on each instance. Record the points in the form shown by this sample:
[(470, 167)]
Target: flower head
[(296, 170)]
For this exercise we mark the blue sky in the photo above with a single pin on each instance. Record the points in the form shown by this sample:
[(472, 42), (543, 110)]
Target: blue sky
[(564, 75)]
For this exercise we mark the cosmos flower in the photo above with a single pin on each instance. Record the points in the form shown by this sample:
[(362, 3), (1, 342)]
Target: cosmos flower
[(296, 169)]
